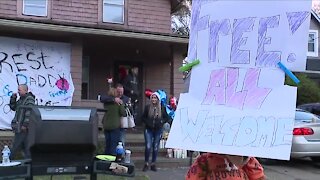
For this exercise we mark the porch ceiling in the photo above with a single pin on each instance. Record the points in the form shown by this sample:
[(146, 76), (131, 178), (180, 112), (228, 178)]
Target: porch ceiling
[(135, 48)]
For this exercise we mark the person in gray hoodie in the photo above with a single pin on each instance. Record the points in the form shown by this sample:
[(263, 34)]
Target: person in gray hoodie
[(20, 121)]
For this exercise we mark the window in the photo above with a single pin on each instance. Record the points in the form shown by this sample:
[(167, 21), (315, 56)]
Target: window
[(85, 77), (113, 11), (313, 43), (35, 7)]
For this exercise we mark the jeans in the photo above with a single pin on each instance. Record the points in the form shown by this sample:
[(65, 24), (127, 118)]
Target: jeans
[(152, 140), (123, 136), (112, 138)]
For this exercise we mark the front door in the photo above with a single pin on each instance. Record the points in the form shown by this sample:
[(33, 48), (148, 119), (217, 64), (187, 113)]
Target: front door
[(130, 76)]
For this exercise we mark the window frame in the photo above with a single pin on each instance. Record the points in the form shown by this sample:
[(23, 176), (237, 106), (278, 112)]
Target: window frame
[(316, 45), (21, 9), (103, 2)]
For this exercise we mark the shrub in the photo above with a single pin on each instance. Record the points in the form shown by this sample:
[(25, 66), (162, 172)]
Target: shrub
[(308, 90)]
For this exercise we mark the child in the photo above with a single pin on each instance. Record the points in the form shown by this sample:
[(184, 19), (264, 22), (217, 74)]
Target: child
[(225, 167)]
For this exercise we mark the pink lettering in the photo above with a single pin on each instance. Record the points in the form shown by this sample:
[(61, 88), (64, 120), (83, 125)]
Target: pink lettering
[(222, 90), (216, 89), (255, 95), (234, 99)]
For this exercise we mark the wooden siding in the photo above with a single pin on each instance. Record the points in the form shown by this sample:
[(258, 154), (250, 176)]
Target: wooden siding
[(178, 82), (157, 75), (75, 11), (141, 15), (149, 15), (8, 8)]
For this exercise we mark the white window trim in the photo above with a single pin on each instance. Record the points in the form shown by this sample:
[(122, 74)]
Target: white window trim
[(316, 46), (35, 5), (103, 6)]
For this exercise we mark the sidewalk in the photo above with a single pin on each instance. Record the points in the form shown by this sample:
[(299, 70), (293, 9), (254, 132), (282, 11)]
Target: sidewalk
[(164, 174)]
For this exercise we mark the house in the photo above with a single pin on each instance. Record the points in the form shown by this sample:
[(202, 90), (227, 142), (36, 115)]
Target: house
[(106, 39), (313, 65)]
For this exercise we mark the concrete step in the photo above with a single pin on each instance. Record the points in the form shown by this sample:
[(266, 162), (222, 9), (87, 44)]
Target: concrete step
[(162, 162), (138, 151), (132, 139)]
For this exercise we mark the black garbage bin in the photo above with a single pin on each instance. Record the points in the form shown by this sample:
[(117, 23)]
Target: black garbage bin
[(62, 140)]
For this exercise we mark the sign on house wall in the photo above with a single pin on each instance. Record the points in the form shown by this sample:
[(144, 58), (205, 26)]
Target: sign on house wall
[(237, 101), (43, 66)]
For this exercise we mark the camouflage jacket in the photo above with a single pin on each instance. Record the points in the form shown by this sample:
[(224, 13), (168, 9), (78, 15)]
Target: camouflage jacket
[(21, 118)]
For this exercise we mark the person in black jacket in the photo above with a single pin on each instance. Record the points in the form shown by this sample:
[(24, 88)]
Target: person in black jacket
[(131, 88), (154, 117), (20, 122), (130, 83)]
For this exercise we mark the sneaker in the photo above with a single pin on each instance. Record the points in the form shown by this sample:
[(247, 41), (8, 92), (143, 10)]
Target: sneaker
[(145, 168), (153, 168)]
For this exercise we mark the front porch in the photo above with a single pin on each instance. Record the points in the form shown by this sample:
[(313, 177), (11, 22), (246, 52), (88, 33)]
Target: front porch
[(99, 53)]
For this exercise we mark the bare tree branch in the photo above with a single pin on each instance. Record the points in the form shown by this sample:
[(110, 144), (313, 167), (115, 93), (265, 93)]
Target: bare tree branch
[(180, 20)]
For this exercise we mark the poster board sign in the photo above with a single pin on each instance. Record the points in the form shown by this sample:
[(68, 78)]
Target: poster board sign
[(43, 66), (237, 101)]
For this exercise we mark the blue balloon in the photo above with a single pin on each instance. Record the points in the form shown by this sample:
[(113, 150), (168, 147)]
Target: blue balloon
[(163, 100), (163, 96)]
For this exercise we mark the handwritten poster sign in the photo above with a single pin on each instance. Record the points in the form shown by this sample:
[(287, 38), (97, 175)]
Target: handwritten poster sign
[(43, 66), (237, 101)]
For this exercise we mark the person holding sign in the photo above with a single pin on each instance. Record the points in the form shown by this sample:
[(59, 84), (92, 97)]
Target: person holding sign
[(154, 117), (20, 121), (228, 167)]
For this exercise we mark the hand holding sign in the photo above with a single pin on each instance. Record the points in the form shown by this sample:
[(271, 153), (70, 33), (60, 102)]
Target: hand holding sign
[(233, 104)]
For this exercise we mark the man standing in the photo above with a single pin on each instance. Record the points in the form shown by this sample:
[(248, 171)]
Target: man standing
[(20, 121), (131, 88), (119, 99)]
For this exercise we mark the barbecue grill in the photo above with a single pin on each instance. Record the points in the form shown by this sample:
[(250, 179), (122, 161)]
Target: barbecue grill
[(62, 140)]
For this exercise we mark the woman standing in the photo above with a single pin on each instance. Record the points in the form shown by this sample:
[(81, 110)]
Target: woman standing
[(111, 123), (154, 116)]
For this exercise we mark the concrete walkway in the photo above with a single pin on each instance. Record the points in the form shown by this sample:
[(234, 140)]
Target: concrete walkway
[(164, 174)]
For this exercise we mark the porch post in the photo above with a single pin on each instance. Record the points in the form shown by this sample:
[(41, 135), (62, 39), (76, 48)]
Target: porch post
[(76, 69), (177, 76)]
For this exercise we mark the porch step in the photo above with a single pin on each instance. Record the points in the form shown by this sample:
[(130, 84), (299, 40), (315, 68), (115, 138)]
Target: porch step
[(138, 151), (162, 162), (132, 139), (135, 143)]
